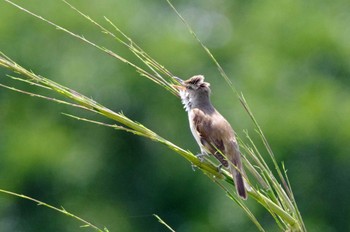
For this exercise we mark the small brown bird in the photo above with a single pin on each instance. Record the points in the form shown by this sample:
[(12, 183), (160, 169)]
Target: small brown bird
[(212, 132)]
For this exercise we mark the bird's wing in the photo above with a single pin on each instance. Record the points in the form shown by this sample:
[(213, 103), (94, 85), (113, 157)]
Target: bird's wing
[(208, 135)]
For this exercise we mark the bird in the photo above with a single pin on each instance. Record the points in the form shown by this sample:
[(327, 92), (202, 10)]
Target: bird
[(211, 130)]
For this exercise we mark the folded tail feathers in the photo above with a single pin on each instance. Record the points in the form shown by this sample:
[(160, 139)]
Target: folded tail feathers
[(240, 186), (239, 183)]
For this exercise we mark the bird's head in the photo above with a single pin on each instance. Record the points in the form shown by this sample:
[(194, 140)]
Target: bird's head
[(192, 90), (195, 84)]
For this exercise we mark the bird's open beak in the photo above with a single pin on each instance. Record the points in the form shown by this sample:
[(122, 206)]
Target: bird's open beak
[(181, 82)]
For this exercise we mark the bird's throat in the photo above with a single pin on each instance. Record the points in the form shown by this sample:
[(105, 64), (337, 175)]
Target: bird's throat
[(186, 100), (201, 102)]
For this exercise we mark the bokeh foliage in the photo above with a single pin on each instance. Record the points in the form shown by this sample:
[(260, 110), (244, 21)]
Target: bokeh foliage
[(291, 59)]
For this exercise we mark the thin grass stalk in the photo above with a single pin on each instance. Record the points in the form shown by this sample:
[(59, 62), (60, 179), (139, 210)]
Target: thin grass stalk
[(239, 202), (283, 193), (62, 210), (136, 128), (279, 190), (82, 38), (164, 223), (279, 205), (153, 65)]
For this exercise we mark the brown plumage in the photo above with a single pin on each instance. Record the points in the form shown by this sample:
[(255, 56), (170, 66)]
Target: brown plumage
[(212, 132)]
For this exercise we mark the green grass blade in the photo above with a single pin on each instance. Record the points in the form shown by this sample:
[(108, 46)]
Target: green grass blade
[(62, 210)]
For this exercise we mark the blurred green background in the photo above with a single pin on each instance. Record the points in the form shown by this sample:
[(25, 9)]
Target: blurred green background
[(290, 58)]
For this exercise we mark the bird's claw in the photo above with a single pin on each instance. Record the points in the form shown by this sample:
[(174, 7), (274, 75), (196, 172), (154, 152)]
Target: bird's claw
[(200, 156), (193, 167), (219, 168)]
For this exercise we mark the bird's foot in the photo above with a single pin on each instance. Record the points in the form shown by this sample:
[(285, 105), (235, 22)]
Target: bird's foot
[(201, 156), (193, 166), (219, 168)]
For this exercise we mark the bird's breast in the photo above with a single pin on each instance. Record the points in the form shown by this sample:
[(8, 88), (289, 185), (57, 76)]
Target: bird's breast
[(193, 128)]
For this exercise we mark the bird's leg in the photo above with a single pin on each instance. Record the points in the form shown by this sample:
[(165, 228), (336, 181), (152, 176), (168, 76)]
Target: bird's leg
[(223, 161)]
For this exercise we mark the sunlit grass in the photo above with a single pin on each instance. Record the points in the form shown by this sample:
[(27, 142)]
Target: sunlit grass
[(274, 193), (60, 210)]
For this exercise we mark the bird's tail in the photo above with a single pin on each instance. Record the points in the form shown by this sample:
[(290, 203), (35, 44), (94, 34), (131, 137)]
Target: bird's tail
[(237, 171), (239, 182)]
